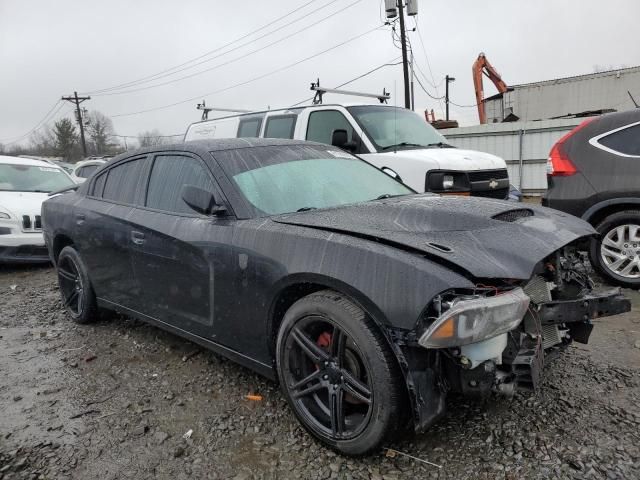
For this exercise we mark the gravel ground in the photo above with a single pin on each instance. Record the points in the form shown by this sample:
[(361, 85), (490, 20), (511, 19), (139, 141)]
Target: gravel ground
[(114, 400)]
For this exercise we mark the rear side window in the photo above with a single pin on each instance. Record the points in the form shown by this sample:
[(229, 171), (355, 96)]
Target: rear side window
[(88, 170), (249, 128), (625, 141), (98, 185), (280, 127), (122, 180), (168, 175)]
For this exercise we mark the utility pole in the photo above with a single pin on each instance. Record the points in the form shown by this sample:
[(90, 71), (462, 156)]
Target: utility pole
[(78, 100), (405, 62), (447, 80)]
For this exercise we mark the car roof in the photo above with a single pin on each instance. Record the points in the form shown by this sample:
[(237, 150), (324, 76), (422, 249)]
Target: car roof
[(95, 161), (7, 159)]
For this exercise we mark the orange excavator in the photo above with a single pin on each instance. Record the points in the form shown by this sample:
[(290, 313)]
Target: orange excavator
[(482, 66)]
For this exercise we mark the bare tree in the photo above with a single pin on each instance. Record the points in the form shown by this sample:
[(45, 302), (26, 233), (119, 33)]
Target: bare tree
[(42, 142), (151, 138), (101, 133)]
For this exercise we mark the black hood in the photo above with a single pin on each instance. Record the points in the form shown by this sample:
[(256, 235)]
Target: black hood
[(487, 238)]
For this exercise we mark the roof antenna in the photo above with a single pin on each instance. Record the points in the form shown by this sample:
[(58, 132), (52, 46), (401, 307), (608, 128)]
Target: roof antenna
[(633, 99)]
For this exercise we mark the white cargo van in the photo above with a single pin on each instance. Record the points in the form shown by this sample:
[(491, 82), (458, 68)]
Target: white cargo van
[(392, 138)]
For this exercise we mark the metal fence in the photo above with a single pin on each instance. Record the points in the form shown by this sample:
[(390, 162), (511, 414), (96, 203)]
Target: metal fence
[(524, 145)]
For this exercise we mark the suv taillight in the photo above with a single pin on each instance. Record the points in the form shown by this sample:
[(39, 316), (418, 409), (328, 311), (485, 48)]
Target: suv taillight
[(559, 164)]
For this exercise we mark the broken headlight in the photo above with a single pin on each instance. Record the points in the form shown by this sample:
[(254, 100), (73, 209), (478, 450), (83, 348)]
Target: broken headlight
[(473, 318)]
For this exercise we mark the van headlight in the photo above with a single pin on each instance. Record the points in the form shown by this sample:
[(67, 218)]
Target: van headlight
[(447, 181), (474, 318)]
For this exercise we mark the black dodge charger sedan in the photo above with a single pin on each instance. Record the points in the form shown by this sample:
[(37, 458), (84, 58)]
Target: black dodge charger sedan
[(366, 301)]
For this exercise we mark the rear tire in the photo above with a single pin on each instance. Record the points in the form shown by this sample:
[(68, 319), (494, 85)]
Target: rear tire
[(75, 287), (616, 253), (339, 375)]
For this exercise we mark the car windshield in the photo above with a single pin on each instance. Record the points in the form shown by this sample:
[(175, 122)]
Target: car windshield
[(396, 128), (293, 178), (29, 178)]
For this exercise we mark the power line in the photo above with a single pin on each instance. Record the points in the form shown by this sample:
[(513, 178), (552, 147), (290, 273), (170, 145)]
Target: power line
[(206, 54), (37, 125), (354, 79), (426, 56), (260, 77), (232, 60)]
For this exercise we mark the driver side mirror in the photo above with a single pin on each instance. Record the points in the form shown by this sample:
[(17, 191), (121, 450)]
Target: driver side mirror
[(340, 139), (202, 201)]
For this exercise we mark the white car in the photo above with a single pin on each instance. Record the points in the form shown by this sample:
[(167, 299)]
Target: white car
[(85, 169), (24, 184)]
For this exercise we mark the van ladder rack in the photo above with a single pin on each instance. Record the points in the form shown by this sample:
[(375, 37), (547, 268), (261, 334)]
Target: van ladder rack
[(205, 110), (320, 91)]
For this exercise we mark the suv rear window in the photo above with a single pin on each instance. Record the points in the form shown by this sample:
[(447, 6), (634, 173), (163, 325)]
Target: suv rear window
[(626, 141)]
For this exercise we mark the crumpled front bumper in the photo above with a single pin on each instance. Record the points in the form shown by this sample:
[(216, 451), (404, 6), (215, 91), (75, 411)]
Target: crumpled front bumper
[(577, 313)]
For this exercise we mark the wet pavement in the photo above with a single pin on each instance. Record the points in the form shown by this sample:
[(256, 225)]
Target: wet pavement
[(114, 400)]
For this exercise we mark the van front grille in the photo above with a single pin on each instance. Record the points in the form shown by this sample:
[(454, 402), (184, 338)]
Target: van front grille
[(31, 224)]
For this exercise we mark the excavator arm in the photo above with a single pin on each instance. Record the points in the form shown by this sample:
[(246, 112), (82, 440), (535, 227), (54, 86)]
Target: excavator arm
[(482, 66)]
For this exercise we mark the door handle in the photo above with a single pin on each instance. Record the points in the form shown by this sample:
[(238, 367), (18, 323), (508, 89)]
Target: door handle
[(80, 218), (137, 237)]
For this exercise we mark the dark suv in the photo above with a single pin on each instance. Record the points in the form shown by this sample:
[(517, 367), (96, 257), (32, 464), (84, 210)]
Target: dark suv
[(593, 172)]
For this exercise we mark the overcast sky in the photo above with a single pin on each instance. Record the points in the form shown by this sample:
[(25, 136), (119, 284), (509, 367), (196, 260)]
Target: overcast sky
[(51, 48)]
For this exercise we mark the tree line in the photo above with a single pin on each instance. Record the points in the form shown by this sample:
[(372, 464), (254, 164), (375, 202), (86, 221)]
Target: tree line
[(62, 139)]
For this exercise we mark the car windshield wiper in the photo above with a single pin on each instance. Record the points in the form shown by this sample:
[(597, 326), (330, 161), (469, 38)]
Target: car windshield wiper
[(306, 209), (441, 145), (401, 144), (389, 195)]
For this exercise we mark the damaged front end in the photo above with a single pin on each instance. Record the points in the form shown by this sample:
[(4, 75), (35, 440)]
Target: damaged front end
[(497, 337)]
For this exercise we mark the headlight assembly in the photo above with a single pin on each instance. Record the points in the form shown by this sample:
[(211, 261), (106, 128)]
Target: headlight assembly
[(447, 182), (472, 319)]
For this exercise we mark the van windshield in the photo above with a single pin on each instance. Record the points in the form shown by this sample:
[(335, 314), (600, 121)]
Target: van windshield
[(391, 128)]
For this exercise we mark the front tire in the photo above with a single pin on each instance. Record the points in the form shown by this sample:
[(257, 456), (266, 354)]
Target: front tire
[(75, 288), (616, 254), (339, 375)]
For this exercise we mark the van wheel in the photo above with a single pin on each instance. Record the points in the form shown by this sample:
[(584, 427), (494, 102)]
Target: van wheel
[(75, 288), (616, 253), (338, 374)]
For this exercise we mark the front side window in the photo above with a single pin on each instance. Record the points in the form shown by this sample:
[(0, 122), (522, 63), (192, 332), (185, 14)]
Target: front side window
[(280, 127), (277, 180), (391, 128), (625, 141), (122, 181), (168, 175), (323, 123), (30, 178)]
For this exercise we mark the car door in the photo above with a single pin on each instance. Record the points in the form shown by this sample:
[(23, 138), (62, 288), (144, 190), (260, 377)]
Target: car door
[(180, 257), (103, 231)]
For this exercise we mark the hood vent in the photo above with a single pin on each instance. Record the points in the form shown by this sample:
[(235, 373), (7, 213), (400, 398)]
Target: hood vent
[(513, 215)]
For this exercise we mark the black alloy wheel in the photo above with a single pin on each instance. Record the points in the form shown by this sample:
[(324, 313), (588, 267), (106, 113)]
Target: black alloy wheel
[(75, 288), (338, 374), (328, 378)]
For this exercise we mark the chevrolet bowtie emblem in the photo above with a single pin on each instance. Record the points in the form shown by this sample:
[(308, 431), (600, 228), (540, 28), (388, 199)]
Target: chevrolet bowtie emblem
[(493, 184)]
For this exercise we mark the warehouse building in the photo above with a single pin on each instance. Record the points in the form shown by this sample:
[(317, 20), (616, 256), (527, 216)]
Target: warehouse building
[(524, 122), (614, 90)]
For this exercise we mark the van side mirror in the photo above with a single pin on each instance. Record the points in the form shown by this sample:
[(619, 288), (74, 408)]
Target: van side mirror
[(340, 139), (202, 201)]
